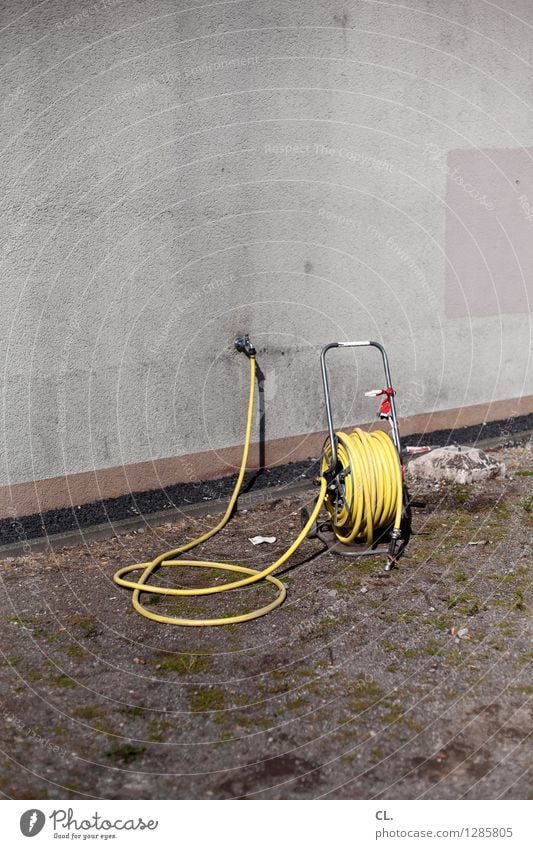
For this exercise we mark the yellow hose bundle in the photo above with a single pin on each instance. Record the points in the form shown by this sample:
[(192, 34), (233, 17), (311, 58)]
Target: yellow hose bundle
[(373, 499), (372, 481)]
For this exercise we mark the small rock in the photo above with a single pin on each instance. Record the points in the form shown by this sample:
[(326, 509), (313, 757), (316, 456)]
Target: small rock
[(364, 589), (460, 634)]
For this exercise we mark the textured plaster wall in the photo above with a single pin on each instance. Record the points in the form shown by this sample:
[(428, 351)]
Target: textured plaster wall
[(174, 173)]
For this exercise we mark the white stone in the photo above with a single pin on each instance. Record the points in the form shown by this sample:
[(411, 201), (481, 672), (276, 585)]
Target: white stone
[(454, 463)]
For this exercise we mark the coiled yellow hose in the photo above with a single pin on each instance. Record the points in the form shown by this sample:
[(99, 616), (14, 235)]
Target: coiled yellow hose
[(373, 498), (372, 481)]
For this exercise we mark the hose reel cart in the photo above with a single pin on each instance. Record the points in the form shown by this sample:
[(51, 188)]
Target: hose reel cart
[(366, 498)]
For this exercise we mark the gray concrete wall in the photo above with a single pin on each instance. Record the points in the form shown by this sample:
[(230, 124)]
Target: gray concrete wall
[(176, 173)]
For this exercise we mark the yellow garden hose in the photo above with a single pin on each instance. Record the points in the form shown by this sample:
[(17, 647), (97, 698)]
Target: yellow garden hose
[(373, 487), (373, 499)]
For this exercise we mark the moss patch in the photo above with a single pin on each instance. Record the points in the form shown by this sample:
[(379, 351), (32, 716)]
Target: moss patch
[(207, 700), (181, 664), (125, 753)]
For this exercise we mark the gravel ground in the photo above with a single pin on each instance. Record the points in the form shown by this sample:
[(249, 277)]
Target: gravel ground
[(412, 684)]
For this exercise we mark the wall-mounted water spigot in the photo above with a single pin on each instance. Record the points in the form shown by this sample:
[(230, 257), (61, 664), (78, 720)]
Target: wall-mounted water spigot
[(243, 344)]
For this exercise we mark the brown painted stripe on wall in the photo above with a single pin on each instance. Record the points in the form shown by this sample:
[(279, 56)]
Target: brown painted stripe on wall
[(85, 487)]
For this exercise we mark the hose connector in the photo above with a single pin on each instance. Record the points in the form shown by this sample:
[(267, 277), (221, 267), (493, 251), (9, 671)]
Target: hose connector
[(394, 549), (242, 344)]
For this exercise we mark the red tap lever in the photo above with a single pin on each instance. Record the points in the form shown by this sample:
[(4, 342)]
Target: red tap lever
[(385, 408)]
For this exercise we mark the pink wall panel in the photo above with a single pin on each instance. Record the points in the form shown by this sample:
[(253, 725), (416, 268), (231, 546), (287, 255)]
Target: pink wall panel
[(489, 232)]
